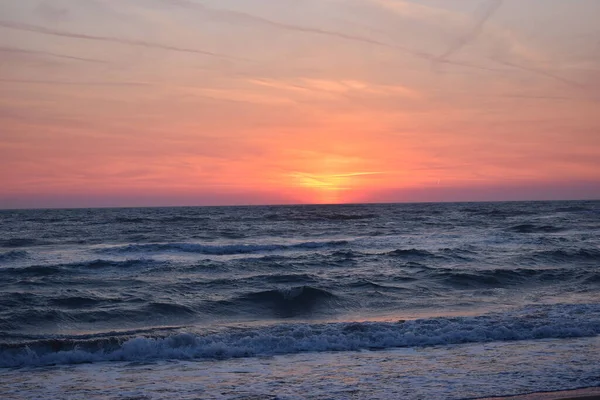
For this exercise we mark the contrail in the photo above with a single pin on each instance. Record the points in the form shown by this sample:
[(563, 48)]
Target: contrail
[(242, 17), (67, 83), (239, 16), (132, 42), (488, 11), (47, 53), (472, 34), (538, 97), (541, 72)]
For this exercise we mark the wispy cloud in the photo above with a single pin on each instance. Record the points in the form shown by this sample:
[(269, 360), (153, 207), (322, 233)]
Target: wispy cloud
[(333, 88), (131, 42), (358, 174), (329, 181), (51, 12), (235, 95), (15, 50), (538, 97)]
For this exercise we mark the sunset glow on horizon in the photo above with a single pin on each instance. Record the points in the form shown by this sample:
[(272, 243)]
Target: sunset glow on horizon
[(218, 102)]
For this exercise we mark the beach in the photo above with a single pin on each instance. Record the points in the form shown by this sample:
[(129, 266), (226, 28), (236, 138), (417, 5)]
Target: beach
[(581, 394)]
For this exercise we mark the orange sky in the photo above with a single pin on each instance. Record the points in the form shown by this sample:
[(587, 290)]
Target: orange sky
[(190, 102)]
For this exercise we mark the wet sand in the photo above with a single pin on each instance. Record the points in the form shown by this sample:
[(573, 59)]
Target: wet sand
[(578, 394)]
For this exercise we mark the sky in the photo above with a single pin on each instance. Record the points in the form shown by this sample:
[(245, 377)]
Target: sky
[(219, 102)]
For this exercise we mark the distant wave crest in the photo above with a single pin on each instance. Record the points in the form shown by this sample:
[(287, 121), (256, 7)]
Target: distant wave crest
[(532, 228), (45, 270), (21, 242), (410, 253), (567, 255), (220, 249)]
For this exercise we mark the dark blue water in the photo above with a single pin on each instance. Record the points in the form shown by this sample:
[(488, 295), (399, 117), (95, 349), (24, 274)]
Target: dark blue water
[(91, 285)]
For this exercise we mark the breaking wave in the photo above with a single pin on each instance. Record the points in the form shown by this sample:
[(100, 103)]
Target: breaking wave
[(535, 322)]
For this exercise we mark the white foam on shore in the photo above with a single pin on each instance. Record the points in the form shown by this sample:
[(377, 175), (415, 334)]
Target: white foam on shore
[(440, 372)]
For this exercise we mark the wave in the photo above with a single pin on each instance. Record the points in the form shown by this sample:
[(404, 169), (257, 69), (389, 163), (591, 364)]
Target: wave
[(592, 279), (21, 242), (318, 217), (184, 219), (172, 309), (85, 307), (469, 279), (91, 310), (240, 283), (34, 270), (132, 220), (159, 220), (529, 323), (74, 301), (288, 302), (566, 255), (100, 263), (286, 278), (49, 220), (410, 253), (220, 250), (499, 213), (531, 228), (460, 254), (573, 209), (47, 270), (13, 255), (17, 300), (347, 254), (347, 217), (367, 284)]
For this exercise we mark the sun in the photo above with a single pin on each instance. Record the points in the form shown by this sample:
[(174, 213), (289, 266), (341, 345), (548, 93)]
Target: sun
[(322, 188), (330, 188)]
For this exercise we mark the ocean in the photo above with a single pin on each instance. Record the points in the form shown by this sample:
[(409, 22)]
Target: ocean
[(373, 301)]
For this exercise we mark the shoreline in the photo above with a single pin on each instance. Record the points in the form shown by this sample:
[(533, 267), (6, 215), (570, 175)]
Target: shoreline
[(591, 393)]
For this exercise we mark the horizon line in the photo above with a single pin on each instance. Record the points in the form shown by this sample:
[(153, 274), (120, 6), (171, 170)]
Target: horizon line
[(302, 204)]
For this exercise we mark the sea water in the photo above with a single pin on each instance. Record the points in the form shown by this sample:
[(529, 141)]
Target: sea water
[(453, 300)]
